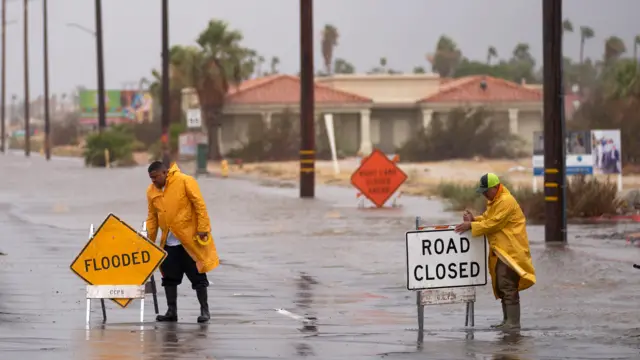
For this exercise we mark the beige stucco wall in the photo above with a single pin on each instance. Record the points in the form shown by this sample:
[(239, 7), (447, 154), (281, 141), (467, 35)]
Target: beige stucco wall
[(392, 128), (347, 132), (528, 123), (386, 88), (235, 130)]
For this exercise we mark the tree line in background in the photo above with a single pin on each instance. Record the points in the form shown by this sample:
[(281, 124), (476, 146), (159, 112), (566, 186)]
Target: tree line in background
[(220, 61)]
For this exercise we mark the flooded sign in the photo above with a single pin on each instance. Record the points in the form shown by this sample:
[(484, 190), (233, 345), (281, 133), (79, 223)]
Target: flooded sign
[(378, 178), (440, 258), (117, 255)]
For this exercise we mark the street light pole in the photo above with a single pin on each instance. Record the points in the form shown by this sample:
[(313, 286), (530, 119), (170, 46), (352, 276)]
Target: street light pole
[(166, 100), (3, 120), (47, 120), (307, 125), (27, 128), (554, 131), (102, 121)]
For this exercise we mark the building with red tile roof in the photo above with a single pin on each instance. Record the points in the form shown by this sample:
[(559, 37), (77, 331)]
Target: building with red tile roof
[(380, 110)]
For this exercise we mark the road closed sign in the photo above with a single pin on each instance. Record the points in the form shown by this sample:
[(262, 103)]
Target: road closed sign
[(439, 258), (117, 255)]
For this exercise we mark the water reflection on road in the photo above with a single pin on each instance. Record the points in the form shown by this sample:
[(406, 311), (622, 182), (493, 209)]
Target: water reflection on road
[(322, 259)]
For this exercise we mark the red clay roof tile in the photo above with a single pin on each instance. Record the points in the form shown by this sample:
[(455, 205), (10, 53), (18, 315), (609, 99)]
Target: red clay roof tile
[(468, 89), (285, 89)]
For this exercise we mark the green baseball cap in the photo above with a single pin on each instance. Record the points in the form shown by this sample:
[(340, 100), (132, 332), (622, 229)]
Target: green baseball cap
[(487, 181)]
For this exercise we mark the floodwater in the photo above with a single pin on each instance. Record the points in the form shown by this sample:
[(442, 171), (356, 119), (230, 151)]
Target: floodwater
[(321, 258)]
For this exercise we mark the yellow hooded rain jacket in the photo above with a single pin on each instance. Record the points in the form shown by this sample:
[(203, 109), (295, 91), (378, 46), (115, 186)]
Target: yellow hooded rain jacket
[(504, 225), (180, 209)]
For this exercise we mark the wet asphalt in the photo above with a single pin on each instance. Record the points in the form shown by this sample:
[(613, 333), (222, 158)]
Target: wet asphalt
[(321, 258)]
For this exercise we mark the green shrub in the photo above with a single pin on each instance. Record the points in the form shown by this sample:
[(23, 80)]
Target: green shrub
[(464, 133), (586, 197), (119, 140)]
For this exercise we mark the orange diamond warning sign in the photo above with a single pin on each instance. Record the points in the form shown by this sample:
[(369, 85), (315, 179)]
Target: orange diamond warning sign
[(378, 178), (117, 255)]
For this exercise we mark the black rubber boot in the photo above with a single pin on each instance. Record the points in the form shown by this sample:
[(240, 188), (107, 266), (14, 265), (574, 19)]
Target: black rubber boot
[(204, 306), (513, 318), (172, 305), (504, 317)]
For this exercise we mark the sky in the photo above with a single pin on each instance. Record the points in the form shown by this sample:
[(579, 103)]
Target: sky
[(403, 31)]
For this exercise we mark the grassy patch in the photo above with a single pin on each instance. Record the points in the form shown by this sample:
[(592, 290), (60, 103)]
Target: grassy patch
[(586, 197)]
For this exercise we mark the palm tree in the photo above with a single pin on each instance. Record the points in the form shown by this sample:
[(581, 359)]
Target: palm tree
[(275, 61), (329, 42), (613, 48), (446, 58), (567, 26), (260, 63), (341, 66), (491, 53), (383, 64), (210, 69), (586, 33)]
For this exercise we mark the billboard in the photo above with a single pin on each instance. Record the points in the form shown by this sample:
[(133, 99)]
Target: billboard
[(587, 152), (122, 106)]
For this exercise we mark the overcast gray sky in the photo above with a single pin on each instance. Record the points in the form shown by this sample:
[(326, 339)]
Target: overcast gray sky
[(403, 31)]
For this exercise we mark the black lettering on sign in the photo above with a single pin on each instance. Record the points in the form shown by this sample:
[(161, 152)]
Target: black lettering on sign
[(452, 247), (475, 269), (126, 260), (415, 273), (435, 246), (463, 270), (426, 246), (440, 271), (453, 272), (117, 261), (464, 245)]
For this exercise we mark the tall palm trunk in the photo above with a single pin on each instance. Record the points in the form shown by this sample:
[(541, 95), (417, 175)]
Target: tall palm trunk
[(214, 129), (582, 50)]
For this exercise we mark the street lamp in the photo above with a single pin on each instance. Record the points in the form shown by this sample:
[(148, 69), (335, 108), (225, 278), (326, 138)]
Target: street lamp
[(100, 61), (82, 28)]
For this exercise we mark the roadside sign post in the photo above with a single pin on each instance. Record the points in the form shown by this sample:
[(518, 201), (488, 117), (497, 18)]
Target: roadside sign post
[(444, 267), (117, 262), (588, 152), (378, 178)]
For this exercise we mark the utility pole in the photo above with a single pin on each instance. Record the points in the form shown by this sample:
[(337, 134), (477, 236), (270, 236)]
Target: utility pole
[(307, 125), (554, 126), (102, 113), (166, 100), (47, 120), (27, 128), (3, 103)]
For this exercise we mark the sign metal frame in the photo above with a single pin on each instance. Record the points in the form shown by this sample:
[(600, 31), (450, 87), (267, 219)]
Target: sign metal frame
[(468, 300), (142, 237)]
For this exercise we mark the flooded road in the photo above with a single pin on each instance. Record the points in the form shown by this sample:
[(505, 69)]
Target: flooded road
[(320, 258)]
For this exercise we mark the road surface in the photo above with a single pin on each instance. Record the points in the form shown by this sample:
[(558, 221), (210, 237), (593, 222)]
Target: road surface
[(321, 258)]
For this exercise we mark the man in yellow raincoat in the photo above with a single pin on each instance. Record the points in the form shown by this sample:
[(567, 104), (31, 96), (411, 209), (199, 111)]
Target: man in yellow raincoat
[(510, 262), (176, 207)]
